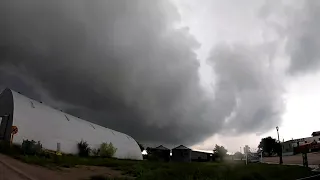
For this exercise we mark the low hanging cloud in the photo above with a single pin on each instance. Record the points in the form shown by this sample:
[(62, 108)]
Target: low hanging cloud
[(298, 25), (304, 39), (247, 88), (121, 64)]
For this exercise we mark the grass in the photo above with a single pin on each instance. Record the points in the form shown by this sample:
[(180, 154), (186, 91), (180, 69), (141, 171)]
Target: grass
[(146, 170)]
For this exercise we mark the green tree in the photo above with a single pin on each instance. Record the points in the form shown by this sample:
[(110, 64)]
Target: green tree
[(269, 146), (220, 152)]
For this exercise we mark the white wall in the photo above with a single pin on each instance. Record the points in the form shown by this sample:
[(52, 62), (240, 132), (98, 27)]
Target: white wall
[(50, 126), (309, 140)]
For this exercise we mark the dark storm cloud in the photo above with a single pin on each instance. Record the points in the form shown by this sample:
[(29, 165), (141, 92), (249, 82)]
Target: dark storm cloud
[(120, 63)]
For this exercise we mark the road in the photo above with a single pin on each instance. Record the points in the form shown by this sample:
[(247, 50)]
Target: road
[(313, 159), (8, 174)]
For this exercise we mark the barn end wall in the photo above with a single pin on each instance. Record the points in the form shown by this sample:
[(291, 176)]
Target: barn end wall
[(6, 114), (39, 122)]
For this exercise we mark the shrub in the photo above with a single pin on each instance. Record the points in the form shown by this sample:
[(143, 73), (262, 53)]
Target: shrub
[(95, 152), (83, 148), (107, 150), (31, 147)]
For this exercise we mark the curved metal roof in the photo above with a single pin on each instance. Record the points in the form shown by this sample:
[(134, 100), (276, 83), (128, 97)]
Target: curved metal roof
[(39, 122)]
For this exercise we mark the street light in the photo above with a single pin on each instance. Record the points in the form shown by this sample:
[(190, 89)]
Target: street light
[(280, 154)]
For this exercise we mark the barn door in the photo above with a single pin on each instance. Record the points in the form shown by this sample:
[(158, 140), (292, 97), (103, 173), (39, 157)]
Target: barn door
[(4, 128)]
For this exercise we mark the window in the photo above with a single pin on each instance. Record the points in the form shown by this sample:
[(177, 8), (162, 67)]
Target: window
[(67, 117), (0, 120), (32, 105)]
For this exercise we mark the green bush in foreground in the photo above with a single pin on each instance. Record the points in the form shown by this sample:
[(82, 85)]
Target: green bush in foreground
[(107, 150), (31, 147)]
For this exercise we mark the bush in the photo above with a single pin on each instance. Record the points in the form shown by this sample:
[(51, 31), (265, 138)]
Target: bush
[(83, 148), (31, 147), (107, 150), (95, 152)]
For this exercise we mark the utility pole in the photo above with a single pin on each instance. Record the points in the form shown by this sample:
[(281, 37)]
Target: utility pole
[(280, 153)]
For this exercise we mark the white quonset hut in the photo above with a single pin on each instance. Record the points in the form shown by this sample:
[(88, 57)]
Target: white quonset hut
[(39, 122)]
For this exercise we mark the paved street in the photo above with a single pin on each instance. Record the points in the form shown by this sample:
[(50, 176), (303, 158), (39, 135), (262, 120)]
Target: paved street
[(313, 159), (8, 174)]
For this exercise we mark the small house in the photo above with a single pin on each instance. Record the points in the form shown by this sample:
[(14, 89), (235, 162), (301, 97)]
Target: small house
[(181, 154)]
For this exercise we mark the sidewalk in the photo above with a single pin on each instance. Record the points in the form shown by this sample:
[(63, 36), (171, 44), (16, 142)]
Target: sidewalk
[(312, 166)]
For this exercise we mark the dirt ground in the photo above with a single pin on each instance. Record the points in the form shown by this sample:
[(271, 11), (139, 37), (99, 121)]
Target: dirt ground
[(313, 159), (40, 173)]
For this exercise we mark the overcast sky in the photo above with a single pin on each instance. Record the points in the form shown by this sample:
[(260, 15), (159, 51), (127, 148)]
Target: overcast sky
[(171, 72)]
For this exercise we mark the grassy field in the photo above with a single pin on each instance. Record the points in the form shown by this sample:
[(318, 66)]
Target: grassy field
[(148, 170), (144, 170)]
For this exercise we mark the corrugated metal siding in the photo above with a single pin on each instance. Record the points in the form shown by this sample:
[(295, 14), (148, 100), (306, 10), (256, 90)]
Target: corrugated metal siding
[(195, 155), (39, 122)]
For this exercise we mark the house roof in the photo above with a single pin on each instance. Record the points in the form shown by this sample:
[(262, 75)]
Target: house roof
[(205, 152), (315, 133), (181, 147), (162, 148)]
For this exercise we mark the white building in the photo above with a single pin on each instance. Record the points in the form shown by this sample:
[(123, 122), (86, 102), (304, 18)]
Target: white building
[(288, 146), (39, 122)]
